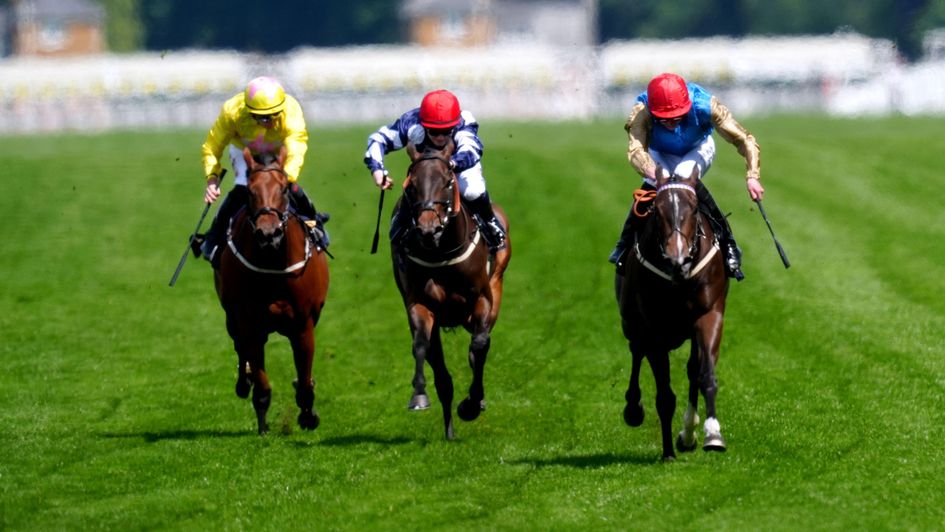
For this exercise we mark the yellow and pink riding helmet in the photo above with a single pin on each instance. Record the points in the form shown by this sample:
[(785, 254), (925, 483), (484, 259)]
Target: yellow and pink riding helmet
[(264, 96)]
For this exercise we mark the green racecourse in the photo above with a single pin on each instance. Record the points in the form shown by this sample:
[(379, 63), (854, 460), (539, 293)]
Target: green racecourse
[(116, 392)]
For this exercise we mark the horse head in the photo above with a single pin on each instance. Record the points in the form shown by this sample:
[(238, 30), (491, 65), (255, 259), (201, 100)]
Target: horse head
[(268, 197), (676, 205), (431, 192)]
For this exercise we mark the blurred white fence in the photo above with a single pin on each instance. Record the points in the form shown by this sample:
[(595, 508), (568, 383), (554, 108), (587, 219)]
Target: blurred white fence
[(843, 74)]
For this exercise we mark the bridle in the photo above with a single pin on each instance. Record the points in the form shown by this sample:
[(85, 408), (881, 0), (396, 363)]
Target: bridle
[(675, 218), (283, 215), (419, 206)]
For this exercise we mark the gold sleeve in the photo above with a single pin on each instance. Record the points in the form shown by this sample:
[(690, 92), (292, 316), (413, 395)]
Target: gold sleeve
[(638, 128), (734, 133)]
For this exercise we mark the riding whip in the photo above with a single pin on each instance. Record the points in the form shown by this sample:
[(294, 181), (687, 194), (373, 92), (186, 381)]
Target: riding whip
[(777, 244), (377, 229), (183, 258)]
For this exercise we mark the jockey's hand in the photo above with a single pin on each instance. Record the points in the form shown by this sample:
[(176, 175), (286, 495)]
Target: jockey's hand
[(213, 190), (755, 190), (382, 180)]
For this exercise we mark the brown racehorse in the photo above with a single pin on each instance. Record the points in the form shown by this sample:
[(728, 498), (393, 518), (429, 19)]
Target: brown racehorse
[(271, 279), (673, 289), (447, 279)]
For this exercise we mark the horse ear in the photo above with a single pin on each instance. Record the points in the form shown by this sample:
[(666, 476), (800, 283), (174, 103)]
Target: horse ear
[(283, 152), (248, 157), (661, 175)]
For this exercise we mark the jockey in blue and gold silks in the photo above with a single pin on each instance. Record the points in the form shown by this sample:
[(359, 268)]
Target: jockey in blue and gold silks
[(671, 125), (262, 118)]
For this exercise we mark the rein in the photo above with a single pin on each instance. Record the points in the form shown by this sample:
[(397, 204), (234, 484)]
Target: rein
[(649, 195), (285, 271)]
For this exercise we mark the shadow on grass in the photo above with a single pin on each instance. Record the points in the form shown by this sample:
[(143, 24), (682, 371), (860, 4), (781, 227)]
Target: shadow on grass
[(152, 436), (590, 461), (360, 439)]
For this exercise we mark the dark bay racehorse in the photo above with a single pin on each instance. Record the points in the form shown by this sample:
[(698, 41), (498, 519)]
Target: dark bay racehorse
[(272, 278), (673, 289), (447, 279)]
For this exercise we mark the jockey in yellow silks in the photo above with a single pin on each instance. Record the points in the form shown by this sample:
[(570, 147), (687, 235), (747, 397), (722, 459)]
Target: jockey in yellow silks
[(262, 118)]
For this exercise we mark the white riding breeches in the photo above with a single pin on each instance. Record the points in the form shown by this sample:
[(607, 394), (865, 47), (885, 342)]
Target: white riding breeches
[(472, 184), (239, 165), (682, 165)]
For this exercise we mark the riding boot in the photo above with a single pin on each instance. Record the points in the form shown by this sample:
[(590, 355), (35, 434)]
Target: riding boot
[(316, 220), (232, 203), (491, 229), (733, 255)]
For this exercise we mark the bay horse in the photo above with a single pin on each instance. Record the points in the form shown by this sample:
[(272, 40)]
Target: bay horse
[(272, 278), (447, 279), (672, 289)]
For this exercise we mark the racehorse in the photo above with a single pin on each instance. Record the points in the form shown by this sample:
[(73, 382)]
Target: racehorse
[(673, 289), (272, 278), (447, 279)]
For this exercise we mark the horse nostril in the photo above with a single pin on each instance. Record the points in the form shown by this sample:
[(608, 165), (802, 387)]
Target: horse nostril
[(438, 229)]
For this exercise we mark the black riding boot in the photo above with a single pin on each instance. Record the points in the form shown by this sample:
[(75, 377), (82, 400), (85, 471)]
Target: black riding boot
[(492, 230), (232, 203), (733, 255), (305, 208)]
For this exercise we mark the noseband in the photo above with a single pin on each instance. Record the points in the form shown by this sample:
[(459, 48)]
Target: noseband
[(418, 207), (693, 243), (283, 215)]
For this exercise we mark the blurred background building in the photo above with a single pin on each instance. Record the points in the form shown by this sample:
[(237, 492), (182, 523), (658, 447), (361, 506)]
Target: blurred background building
[(100, 64)]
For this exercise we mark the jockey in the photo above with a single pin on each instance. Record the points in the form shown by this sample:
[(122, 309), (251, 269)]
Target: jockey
[(437, 120), (671, 125), (262, 118)]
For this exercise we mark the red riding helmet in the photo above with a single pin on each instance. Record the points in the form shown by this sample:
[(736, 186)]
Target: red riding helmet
[(439, 110), (667, 96)]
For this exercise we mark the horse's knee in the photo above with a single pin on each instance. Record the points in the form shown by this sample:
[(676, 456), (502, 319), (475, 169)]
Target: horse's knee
[(480, 343)]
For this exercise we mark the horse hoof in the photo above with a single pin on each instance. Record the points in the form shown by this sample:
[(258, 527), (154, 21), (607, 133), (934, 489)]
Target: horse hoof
[(684, 447), (309, 420), (264, 429), (243, 387), (469, 410), (419, 402), (450, 434), (715, 443), (669, 458), (633, 414)]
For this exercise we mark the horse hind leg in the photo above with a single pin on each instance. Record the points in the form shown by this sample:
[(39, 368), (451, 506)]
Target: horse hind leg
[(475, 403), (713, 431), (244, 379)]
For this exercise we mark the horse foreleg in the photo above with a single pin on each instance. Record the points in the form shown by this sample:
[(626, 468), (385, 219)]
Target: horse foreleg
[(686, 440), (421, 325), (303, 351), (665, 401), (710, 338), (633, 413), (442, 381)]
